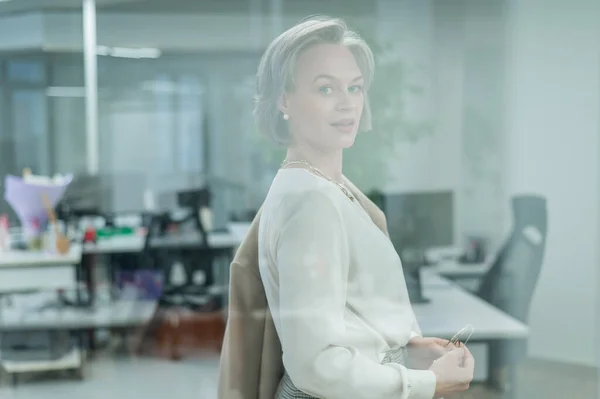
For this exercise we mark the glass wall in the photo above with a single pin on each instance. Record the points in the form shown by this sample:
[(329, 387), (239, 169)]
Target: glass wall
[(190, 87), (190, 115), (25, 138), (42, 113), (66, 96), (476, 106)]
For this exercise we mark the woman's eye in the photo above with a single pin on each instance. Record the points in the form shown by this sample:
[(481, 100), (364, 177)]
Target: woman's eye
[(325, 90), (355, 89)]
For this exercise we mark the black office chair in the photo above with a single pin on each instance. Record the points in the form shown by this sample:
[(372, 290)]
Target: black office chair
[(189, 315), (195, 260), (510, 283)]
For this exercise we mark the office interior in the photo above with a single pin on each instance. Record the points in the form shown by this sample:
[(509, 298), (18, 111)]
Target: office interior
[(484, 158)]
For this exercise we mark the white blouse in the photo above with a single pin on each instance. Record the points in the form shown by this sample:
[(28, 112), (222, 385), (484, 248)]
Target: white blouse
[(336, 290)]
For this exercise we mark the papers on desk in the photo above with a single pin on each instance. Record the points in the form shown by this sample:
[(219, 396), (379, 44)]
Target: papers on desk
[(455, 269), (439, 254)]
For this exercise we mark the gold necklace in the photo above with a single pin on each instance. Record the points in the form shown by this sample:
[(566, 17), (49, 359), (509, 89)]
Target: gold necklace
[(315, 170)]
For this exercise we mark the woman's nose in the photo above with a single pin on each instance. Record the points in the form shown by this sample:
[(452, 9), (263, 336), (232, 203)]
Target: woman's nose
[(345, 102)]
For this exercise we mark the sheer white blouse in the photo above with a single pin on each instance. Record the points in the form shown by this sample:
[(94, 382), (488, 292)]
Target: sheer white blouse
[(336, 290)]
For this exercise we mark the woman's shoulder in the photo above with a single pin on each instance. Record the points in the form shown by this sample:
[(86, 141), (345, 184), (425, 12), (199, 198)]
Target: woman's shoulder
[(295, 189), (298, 183)]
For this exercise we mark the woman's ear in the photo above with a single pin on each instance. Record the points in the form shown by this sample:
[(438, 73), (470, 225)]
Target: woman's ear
[(284, 104)]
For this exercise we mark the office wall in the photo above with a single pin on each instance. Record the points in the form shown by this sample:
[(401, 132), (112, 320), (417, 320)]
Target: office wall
[(515, 100), (19, 32), (430, 45), (482, 147), (194, 32), (553, 149), (460, 45)]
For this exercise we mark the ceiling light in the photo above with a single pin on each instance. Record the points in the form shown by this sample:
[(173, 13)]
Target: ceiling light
[(124, 52), (65, 91)]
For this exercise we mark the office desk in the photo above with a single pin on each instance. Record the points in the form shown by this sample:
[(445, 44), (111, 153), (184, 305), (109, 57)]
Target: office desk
[(119, 314), (116, 314), (28, 258), (135, 243), (25, 270), (467, 275), (451, 308), (453, 269), (431, 279)]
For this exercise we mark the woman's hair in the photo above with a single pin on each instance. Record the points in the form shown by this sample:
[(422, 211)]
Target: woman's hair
[(275, 73)]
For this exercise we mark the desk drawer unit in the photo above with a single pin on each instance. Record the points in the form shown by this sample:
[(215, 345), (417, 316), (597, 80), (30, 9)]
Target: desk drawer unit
[(37, 278)]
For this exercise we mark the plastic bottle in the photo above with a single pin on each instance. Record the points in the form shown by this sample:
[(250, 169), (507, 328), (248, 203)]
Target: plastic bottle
[(4, 233)]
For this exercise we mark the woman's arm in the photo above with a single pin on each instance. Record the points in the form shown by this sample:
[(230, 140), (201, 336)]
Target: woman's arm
[(312, 261)]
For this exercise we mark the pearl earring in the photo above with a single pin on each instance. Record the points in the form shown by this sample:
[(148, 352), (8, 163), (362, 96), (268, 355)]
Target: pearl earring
[(286, 116)]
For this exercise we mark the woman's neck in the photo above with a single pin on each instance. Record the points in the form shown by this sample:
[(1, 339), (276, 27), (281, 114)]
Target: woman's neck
[(329, 163)]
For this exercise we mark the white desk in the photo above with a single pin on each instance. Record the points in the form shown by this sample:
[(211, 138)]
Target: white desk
[(135, 243), (121, 313), (431, 279), (467, 275), (454, 269), (24, 270), (29, 258), (451, 308), (28, 270)]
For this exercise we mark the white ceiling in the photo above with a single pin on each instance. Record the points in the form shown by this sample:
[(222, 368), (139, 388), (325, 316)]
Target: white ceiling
[(17, 6), (333, 7)]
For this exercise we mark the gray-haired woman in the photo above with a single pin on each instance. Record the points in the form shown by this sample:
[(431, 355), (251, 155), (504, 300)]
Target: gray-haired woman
[(333, 281)]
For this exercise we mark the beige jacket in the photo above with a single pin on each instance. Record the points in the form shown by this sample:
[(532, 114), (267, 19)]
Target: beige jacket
[(251, 358)]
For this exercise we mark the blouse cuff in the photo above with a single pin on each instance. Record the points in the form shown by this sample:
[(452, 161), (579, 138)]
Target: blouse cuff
[(421, 384), (416, 384)]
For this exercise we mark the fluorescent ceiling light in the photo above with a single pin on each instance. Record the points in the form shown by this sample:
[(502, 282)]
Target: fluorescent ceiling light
[(161, 86), (65, 91), (124, 52)]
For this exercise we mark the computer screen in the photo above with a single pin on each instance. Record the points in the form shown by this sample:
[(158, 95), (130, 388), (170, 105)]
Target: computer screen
[(417, 221), (106, 193)]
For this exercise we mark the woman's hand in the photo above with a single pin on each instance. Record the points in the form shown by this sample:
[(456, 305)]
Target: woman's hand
[(453, 372), (422, 352)]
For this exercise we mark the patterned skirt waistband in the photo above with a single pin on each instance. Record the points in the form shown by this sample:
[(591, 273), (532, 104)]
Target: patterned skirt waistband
[(287, 389)]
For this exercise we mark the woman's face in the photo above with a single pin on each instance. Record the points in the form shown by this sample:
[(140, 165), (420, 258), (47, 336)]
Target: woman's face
[(326, 103)]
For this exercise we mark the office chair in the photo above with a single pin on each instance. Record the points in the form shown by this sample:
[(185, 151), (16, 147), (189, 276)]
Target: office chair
[(190, 311), (196, 260), (510, 283)]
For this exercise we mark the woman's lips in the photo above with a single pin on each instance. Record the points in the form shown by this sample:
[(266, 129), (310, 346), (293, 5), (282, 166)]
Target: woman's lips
[(344, 125)]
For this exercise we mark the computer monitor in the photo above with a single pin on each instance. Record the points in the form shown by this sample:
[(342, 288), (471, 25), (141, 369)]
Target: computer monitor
[(104, 194), (417, 221), (85, 193)]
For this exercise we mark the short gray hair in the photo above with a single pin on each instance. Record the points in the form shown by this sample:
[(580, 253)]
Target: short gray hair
[(276, 70)]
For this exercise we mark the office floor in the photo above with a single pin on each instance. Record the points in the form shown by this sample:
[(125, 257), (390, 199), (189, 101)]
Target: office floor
[(127, 378)]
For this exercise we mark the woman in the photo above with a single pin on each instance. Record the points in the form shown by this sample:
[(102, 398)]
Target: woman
[(333, 281)]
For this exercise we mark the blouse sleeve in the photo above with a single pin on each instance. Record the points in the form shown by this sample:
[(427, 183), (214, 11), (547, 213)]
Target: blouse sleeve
[(312, 259), (416, 329)]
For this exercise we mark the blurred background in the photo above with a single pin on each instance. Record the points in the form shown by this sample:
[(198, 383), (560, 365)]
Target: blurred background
[(126, 134)]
